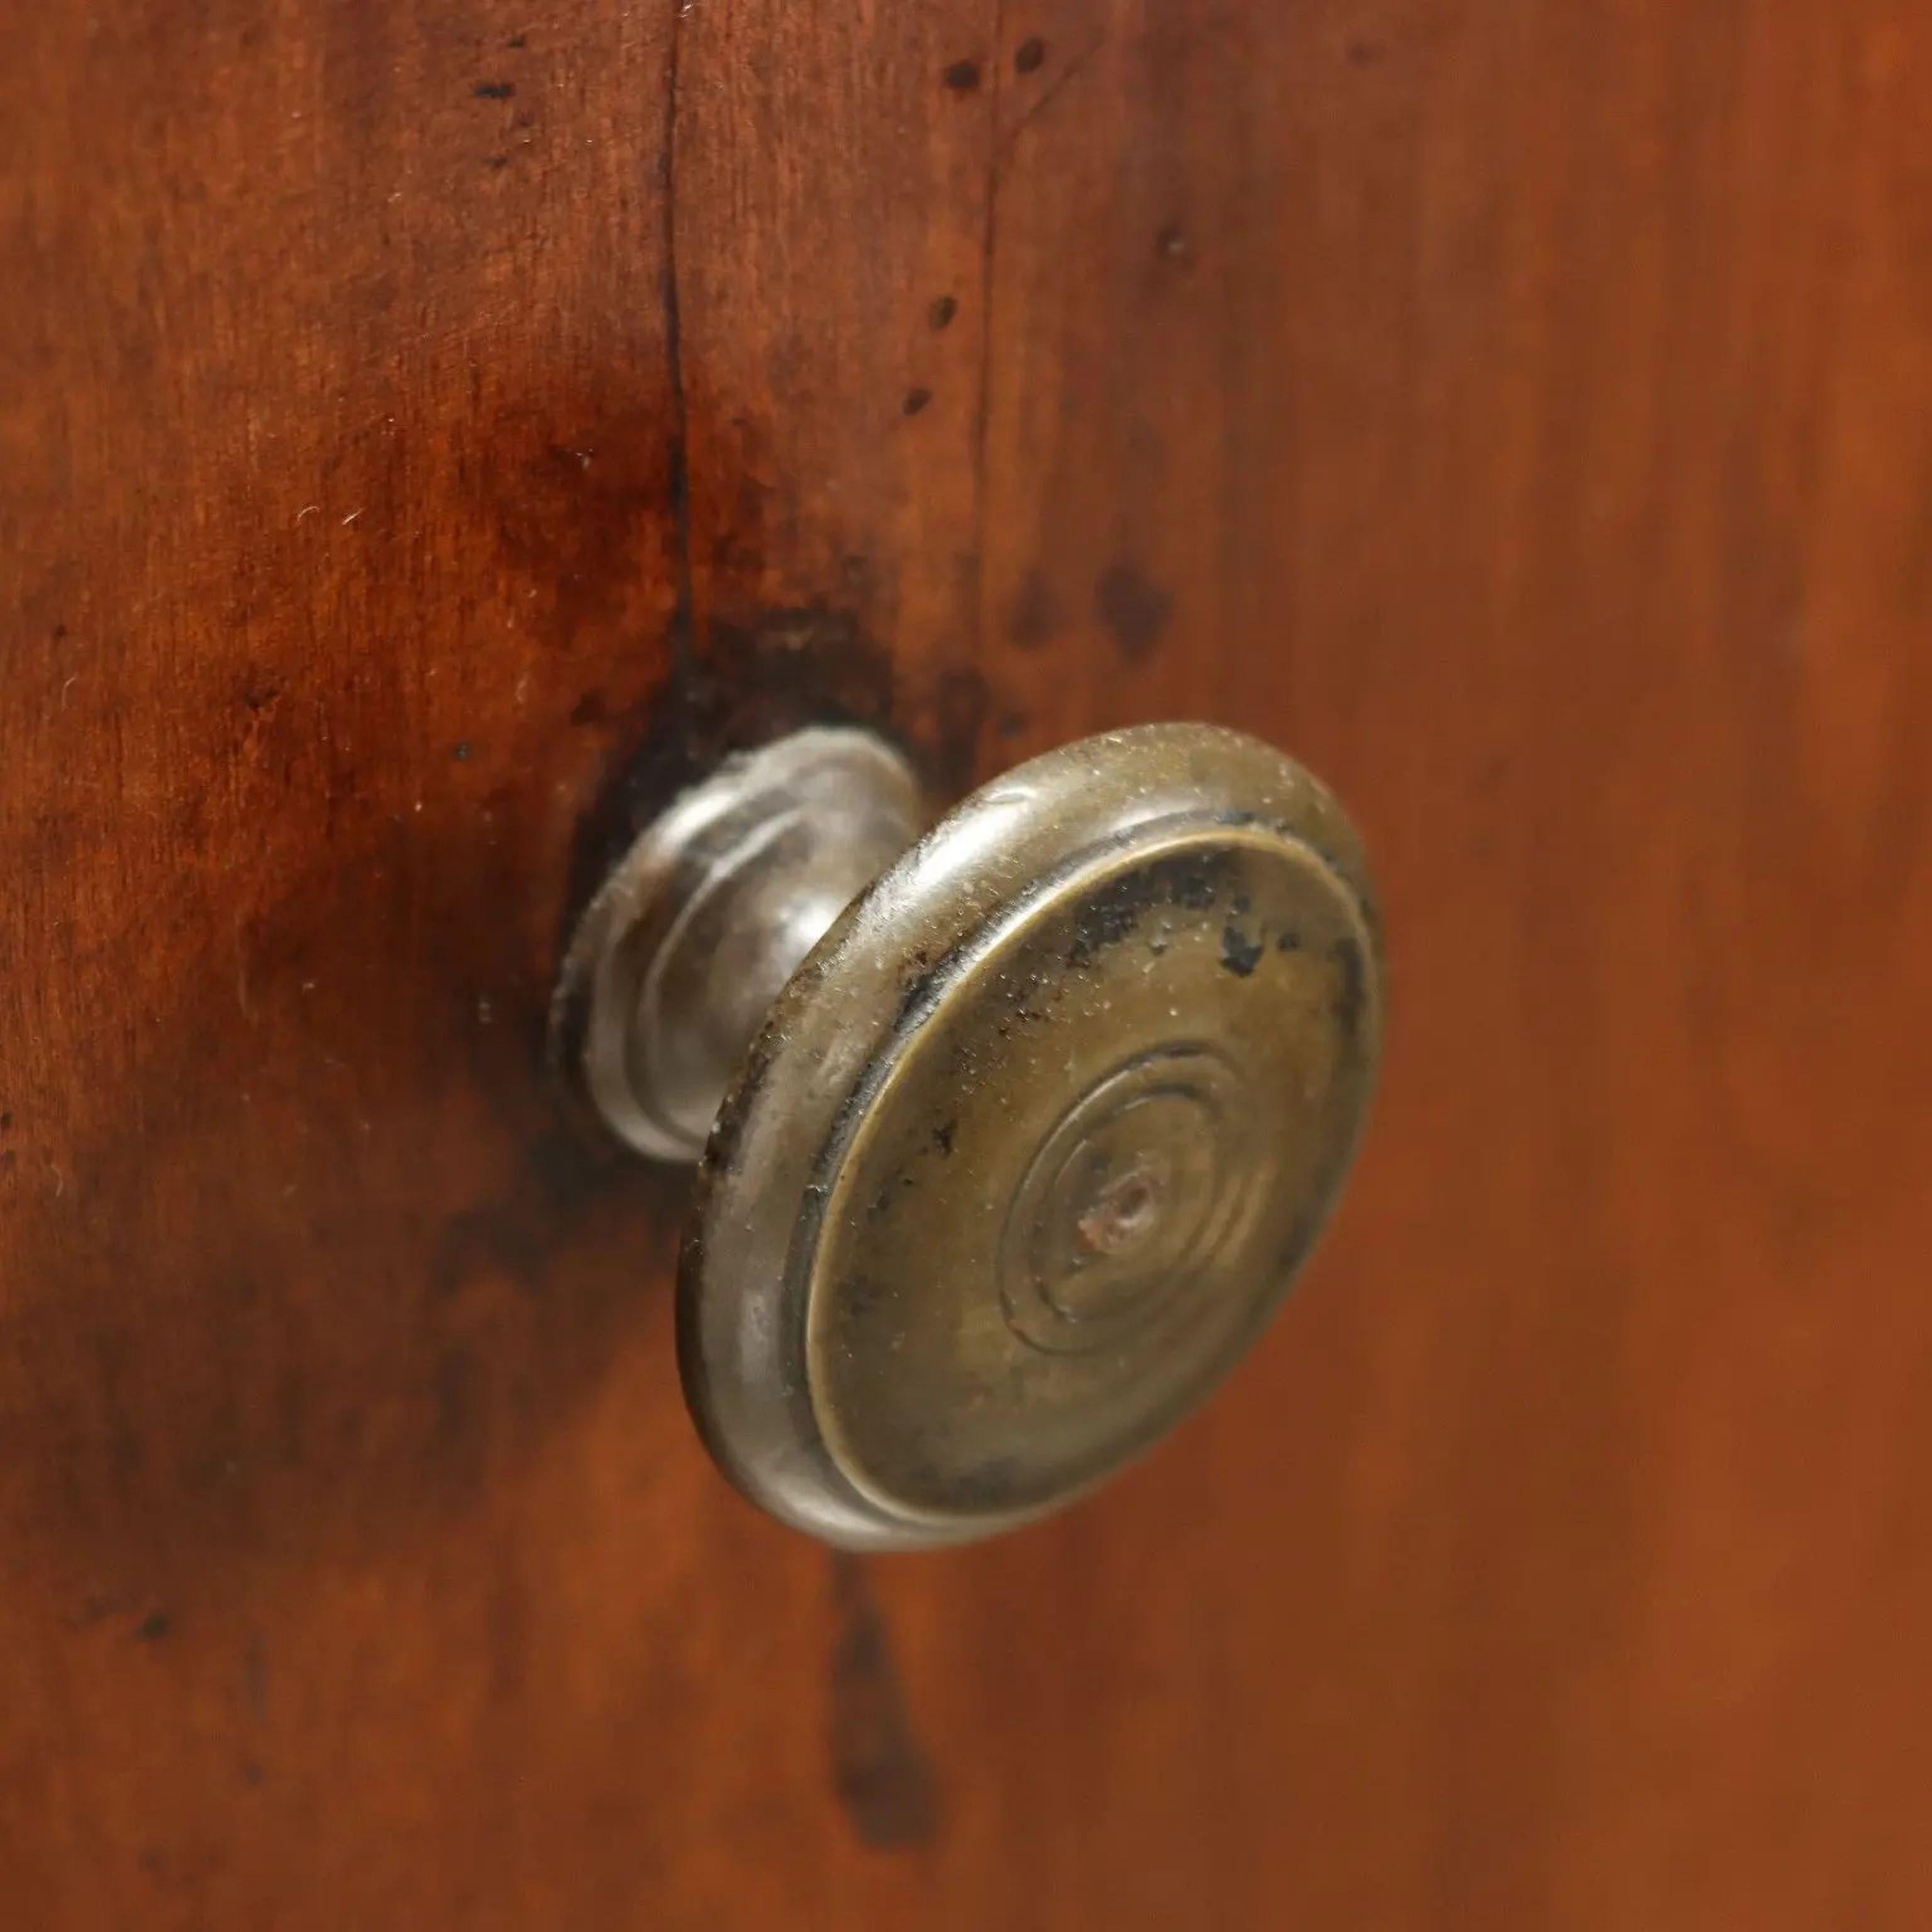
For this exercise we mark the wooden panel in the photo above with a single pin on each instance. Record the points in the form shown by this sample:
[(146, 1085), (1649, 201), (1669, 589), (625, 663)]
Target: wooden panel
[(410, 417)]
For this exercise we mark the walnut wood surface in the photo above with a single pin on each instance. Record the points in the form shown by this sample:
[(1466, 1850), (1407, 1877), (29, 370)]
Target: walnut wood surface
[(425, 431)]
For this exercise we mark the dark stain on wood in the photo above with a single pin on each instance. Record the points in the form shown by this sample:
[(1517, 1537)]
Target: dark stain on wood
[(1035, 620), (579, 493), (1135, 611), (775, 672), (779, 672), (884, 1776)]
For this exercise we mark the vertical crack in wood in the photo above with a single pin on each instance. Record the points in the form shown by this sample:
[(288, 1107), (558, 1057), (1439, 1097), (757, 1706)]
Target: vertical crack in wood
[(678, 488), (982, 427)]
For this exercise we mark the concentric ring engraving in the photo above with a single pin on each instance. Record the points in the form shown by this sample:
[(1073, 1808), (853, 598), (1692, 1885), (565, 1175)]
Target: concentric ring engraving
[(1128, 1199)]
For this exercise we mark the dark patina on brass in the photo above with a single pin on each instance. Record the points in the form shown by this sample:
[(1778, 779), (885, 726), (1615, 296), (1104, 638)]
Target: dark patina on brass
[(1031, 1144)]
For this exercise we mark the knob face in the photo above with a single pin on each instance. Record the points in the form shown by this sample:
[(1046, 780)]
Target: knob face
[(1034, 1142)]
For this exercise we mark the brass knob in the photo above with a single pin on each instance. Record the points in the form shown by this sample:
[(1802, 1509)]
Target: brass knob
[(1012, 1138)]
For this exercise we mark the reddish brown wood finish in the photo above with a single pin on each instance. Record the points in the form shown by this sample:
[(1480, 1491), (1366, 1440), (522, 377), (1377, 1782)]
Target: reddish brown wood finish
[(1522, 411)]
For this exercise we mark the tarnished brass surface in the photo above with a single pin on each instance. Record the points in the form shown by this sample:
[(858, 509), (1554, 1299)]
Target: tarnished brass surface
[(1032, 1143)]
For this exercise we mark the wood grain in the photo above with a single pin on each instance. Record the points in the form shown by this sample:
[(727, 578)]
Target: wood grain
[(425, 432)]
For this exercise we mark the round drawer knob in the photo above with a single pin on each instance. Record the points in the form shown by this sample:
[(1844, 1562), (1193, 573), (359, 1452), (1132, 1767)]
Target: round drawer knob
[(1013, 1137)]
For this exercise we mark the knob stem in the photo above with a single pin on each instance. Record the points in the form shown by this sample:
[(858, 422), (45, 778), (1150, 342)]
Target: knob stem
[(676, 963)]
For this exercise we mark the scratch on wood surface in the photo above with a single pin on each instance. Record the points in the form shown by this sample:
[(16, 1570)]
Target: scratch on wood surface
[(1051, 92)]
